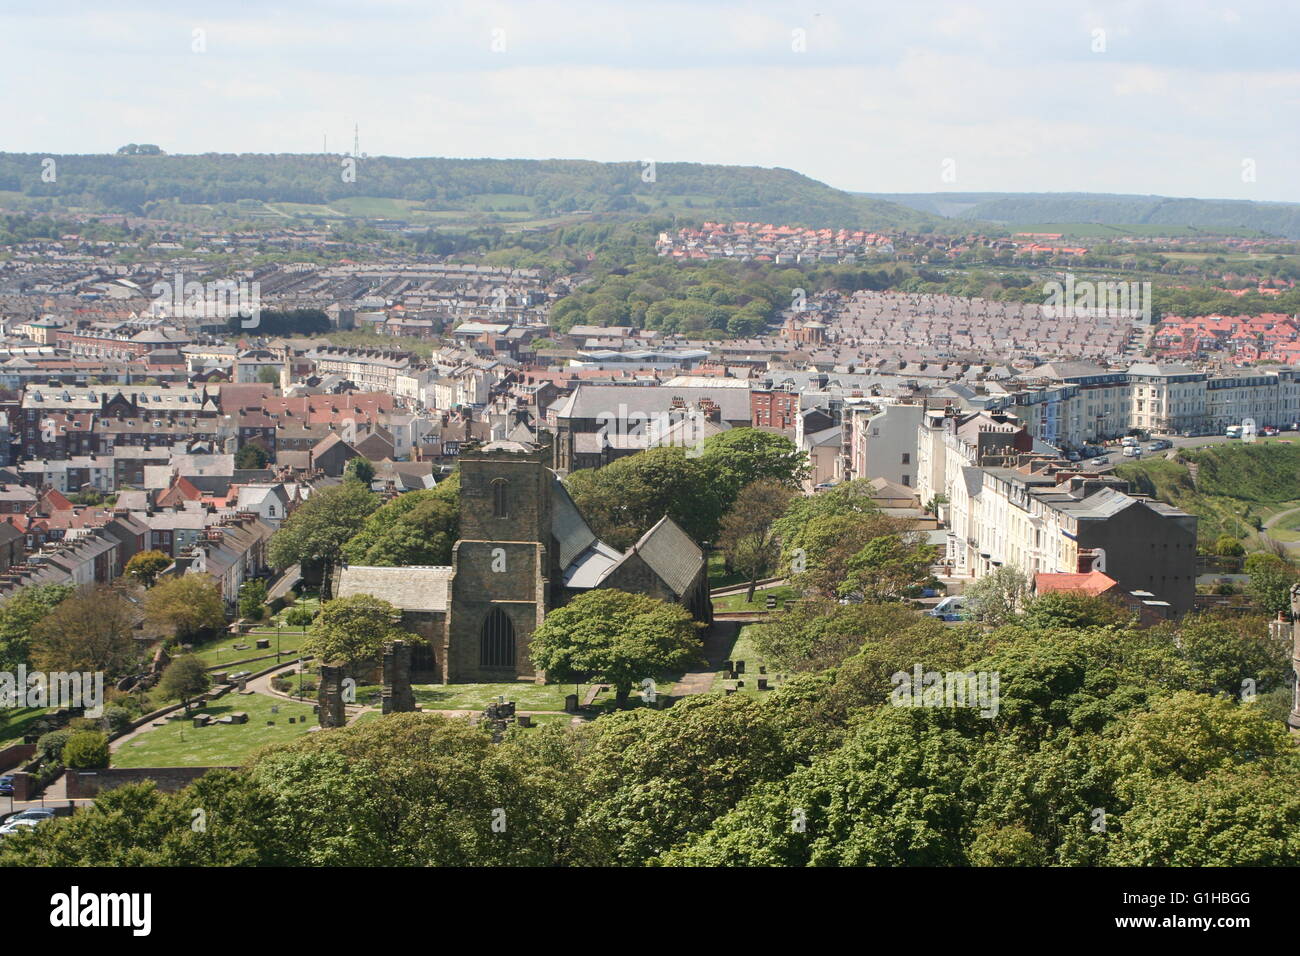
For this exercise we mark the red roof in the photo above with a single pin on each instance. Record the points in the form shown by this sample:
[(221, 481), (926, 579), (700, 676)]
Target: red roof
[(1092, 583)]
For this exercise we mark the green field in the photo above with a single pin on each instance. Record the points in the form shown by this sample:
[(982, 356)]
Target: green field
[(18, 722), (737, 602), (222, 651), (180, 744), (743, 650), (1237, 487)]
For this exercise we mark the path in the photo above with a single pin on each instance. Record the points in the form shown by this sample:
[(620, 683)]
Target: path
[(1272, 522), (718, 642)]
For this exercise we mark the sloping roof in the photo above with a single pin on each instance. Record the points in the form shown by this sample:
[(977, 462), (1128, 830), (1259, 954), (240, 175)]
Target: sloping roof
[(572, 534), (1094, 582), (670, 553), (413, 588)]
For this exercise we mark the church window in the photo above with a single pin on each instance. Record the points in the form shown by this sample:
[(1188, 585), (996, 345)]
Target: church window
[(497, 640)]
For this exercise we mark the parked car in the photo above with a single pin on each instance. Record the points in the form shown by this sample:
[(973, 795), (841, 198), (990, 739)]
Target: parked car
[(1103, 460), (36, 814), (7, 785)]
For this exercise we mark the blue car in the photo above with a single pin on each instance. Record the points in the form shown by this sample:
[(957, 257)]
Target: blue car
[(7, 785)]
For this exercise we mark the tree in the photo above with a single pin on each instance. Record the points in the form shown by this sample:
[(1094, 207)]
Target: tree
[(185, 677), (93, 630), (146, 566), (829, 547), (741, 456), (268, 375), (623, 500), (353, 630), (622, 638), (252, 598), (887, 566), (1234, 654), (359, 469), (1228, 547), (1271, 580), (993, 599), (20, 614), (746, 535), (252, 457), (315, 533), (187, 607), (86, 750)]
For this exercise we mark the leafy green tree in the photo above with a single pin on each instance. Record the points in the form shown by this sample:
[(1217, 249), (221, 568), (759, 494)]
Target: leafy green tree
[(1228, 547), (624, 500), (251, 457), (185, 678), (887, 566), (655, 777), (620, 637), (1271, 580), (359, 469), (20, 614), (188, 607), (92, 630), (317, 530), (1073, 609), (146, 566), (1234, 654), (994, 598), (86, 750), (353, 630), (419, 527), (746, 536), (741, 456), (252, 598)]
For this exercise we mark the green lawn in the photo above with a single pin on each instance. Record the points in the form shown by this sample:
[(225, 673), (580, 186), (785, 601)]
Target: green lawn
[(525, 694), (718, 576), (743, 650), (222, 650), (20, 721), (737, 602), (180, 744)]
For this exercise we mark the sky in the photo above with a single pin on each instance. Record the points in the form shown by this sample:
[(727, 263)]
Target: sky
[(1180, 98)]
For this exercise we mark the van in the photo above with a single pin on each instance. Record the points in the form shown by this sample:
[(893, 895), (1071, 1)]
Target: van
[(949, 609), (1129, 441), (1132, 451)]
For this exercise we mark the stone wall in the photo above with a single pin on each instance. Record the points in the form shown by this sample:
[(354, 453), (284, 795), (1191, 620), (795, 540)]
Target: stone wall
[(82, 784)]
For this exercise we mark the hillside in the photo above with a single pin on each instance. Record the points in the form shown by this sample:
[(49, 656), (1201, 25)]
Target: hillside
[(432, 191), (1133, 214), (1237, 486)]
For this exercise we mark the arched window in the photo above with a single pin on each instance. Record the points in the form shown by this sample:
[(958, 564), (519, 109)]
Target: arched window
[(500, 502), (496, 642)]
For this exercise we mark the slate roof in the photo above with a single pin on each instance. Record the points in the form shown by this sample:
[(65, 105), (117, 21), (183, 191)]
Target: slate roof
[(413, 588), (670, 553), (572, 534)]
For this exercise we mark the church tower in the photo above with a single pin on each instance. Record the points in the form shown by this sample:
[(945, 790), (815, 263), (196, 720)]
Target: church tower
[(501, 564)]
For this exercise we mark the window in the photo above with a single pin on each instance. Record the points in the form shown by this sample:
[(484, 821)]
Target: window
[(907, 458), (500, 502), (907, 481), (496, 640)]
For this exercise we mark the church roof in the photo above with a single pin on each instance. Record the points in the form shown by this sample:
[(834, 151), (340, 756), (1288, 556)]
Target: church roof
[(411, 588), (572, 534), (670, 553)]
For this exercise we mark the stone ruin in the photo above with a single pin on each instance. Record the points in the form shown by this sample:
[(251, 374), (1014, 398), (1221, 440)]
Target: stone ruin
[(330, 696), (398, 698)]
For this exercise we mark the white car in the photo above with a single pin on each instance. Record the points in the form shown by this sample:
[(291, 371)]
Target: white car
[(17, 825)]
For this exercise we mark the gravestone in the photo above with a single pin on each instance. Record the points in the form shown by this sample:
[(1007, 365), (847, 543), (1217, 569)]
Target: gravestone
[(330, 696), (398, 698), (263, 643), (570, 703)]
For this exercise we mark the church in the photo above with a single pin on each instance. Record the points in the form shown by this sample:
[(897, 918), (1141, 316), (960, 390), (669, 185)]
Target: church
[(524, 549)]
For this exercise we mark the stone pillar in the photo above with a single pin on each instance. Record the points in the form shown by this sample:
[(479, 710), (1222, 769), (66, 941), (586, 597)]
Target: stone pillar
[(1294, 720), (330, 696), (398, 697)]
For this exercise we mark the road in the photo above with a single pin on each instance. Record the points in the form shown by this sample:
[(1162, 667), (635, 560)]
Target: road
[(1115, 456)]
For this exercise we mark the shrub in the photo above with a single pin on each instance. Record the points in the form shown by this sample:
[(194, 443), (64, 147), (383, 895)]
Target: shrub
[(299, 616), (50, 746), (118, 719), (86, 750)]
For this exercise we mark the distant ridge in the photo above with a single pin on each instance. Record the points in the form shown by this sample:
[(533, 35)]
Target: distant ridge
[(1011, 209), (432, 190)]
